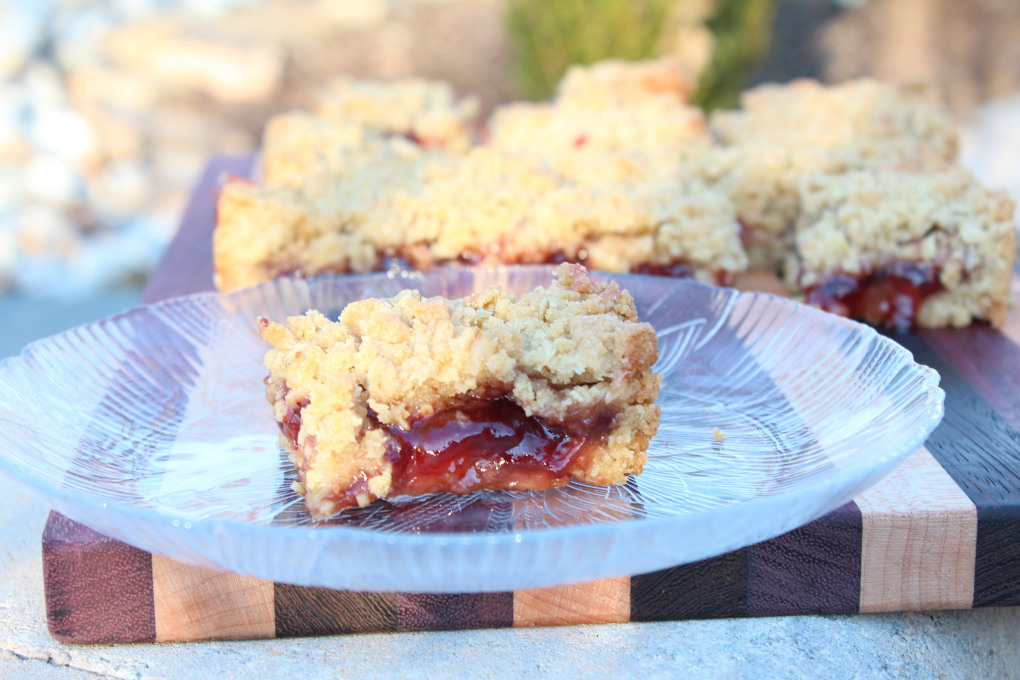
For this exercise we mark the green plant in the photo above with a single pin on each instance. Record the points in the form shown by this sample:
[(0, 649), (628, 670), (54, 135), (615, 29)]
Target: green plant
[(742, 31), (550, 35)]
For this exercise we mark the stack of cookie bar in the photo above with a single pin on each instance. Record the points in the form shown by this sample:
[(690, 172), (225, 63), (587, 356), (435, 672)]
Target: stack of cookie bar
[(849, 192)]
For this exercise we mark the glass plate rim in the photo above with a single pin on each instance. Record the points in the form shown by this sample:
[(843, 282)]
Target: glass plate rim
[(930, 379)]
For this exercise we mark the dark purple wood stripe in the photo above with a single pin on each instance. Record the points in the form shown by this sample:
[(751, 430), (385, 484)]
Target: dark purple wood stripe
[(815, 569), (302, 611), (320, 611), (187, 266), (980, 449), (97, 589), (987, 360), (428, 611), (709, 589)]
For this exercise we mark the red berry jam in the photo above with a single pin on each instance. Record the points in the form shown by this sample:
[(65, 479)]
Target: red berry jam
[(490, 444), (677, 270), (291, 425), (484, 444), (888, 297)]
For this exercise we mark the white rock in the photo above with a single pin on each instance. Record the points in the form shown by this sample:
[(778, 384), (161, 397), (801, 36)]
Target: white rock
[(121, 189), (11, 187), (14, 110), (102, 261), (45, 276), (79, 37), (215, 8), (139, 245), (44, 230), (119, 136), (21, 26), (64, 133), (44, 86), (135, 9), (11, 131), (51, 179)]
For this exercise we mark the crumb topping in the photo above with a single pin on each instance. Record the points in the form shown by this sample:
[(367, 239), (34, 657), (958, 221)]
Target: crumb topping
[(877, 123), (615, 82), (862, 222), (620, 173), (572, 351), (425, 110)]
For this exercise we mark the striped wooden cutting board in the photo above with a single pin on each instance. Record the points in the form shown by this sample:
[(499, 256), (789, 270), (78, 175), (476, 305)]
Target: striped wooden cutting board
[(942, 531)]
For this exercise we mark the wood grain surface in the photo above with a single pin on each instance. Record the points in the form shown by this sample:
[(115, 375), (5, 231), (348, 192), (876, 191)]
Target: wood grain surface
[(980, 450), (919, 538), (97, 589), (302, 611), (454, 611), (602, 601), (941, 531), (710, 589), (815, 569), (193, 603)]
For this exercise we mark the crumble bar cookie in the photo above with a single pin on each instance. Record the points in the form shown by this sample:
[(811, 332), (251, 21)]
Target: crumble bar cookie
[(299, 148), (263, 233), (610, 106), (548, 130), (425, 111), (876, 124), (411, 395), (312, 222), (307, 153), (499, 207), (489, 207), (787, 132), (902, 248), (616, 82), (761, 180)]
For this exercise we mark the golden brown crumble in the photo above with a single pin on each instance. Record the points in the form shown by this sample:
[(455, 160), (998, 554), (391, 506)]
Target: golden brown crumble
[(571, 351), (878, 123), (861, 222), (424, 110), (618, 172), (615, 82)]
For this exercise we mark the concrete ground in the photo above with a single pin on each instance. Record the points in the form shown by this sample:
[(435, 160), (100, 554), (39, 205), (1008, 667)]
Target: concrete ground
[(965, 644)]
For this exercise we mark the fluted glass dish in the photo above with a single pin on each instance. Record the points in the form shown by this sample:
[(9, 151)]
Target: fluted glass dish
[(152, 427)]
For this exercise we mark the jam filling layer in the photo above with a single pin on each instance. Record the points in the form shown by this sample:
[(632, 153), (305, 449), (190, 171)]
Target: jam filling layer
[(676, 270), (487, 444), (889, 296), (481, 444)]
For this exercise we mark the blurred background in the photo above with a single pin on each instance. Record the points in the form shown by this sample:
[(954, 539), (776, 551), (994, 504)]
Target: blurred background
[(110, 108)]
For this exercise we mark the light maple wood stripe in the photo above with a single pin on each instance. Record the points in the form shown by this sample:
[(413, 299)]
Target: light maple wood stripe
[(919, 539), (1011, 328), (603, 601), (193, 603)]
